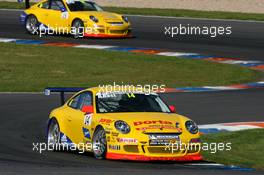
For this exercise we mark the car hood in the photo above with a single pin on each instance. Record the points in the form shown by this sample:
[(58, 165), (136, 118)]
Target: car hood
[(149, 122), (106, 16)]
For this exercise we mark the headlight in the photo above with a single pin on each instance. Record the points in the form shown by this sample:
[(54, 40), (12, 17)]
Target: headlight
[(125, 19), (191, 127), (122, 126), (94, 19)]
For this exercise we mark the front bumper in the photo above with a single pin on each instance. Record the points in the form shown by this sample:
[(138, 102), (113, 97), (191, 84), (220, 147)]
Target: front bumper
[(100, 35), (117, 156), (155, 146), (109, 32)]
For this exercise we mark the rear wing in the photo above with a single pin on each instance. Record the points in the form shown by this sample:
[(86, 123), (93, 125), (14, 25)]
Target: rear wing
[(62, 90)]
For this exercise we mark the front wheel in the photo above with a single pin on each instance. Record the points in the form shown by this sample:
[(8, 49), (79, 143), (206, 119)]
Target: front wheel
[(32, 25), (77, 29), (99, 143), (53, 134)]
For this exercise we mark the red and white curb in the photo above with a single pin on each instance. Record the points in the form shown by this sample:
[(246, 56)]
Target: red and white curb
[(229, 127)]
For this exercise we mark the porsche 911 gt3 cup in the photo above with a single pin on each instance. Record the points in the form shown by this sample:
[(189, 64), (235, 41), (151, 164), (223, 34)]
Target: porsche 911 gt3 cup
[(122, 125), (81, 18)]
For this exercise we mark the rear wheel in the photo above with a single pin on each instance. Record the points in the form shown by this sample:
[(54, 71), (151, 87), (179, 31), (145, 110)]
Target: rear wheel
[(99, 143), (77, 28), (32, 25)]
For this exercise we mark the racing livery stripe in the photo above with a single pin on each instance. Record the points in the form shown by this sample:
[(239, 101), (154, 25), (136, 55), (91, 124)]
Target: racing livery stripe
[(135, 157)]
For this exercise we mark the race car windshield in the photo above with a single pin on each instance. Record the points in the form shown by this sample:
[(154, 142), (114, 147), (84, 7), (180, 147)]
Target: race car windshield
[(129, 102), (82, 6)]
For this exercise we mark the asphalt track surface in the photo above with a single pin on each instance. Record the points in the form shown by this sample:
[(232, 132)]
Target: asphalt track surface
[(23, 116), (246, 40)]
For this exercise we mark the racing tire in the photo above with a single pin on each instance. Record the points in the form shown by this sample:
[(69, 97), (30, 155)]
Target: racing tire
[(32, 25), (99, 143), (77, 29), (53, 137)]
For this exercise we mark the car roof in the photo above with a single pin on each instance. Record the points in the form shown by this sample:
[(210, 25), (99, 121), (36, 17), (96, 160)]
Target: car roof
[(98, 89)]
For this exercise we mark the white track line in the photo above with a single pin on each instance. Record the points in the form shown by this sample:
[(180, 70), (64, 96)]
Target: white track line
[(93, 46), (173, 54), (205, 164), (7, 40), (15, 10)]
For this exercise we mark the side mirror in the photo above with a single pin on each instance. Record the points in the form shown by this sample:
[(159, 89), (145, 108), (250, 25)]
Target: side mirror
[(62, 9), (87, 109), (172, 108)]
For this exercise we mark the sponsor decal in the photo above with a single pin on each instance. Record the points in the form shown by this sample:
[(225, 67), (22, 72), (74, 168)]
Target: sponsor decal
[(114, 134), (161, 127), (131, 95), (86, 133), (163, 139), (88, 119), (65, 15), (127, 140), (70, 1), (65, 140), (105, 120), (114, 147), (163, 136), (108, 128), (121, 24), (113, 139), (108, 138), (106, 95), (149, 122)]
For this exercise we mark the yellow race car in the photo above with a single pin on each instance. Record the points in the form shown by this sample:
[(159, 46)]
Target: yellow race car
[(126, 125), (80, 18)]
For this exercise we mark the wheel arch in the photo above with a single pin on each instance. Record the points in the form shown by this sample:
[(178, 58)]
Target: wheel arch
[(97, 126), (48, 125), (103, 155), (74, 19), (31, 14), (62, 128)]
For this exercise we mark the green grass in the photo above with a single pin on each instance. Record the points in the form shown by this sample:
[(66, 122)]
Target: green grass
[(164, 12), (12, 5), (187, 13), (34, 67), (247, 148)]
